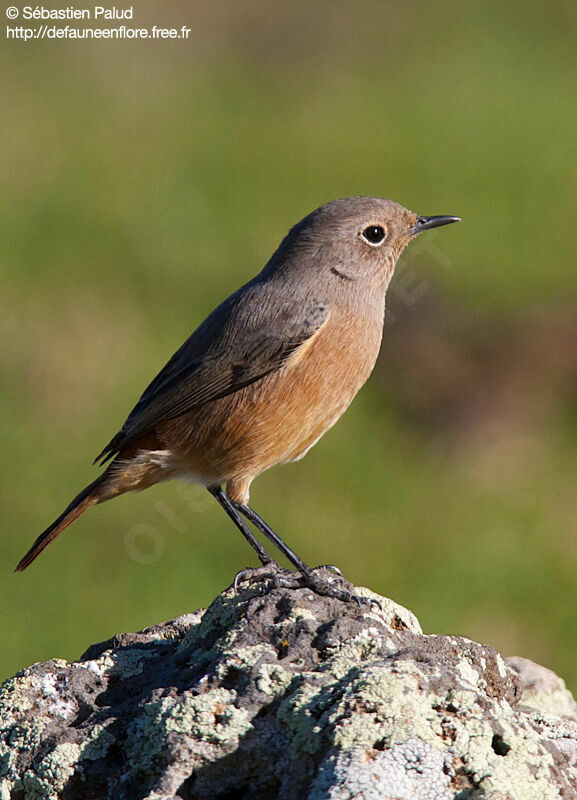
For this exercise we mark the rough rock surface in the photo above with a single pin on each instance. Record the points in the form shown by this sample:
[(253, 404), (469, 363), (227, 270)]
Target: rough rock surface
[(291, 695)]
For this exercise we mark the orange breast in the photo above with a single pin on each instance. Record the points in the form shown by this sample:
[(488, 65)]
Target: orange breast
[(278, 418)]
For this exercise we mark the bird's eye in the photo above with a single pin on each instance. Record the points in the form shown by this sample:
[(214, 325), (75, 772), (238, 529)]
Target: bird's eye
[(374, 234)]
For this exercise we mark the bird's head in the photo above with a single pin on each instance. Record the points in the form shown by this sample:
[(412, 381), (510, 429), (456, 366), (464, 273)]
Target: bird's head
[(353, 238)]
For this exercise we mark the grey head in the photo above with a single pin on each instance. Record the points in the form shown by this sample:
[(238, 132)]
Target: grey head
[(353, 238)]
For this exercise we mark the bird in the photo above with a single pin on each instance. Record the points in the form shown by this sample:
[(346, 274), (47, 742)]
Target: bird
[(267, 373)]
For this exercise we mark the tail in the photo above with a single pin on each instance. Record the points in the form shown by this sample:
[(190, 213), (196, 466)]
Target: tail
[(87, 497)]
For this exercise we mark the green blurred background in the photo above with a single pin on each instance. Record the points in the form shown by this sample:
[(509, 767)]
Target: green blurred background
[(144, 181)]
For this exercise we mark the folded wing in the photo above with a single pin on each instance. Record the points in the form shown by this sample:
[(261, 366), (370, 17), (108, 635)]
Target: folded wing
[(253, 333)]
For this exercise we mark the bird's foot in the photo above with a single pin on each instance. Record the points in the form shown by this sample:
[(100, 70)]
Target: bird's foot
[(270, 571), (330, 582), (326, 580)]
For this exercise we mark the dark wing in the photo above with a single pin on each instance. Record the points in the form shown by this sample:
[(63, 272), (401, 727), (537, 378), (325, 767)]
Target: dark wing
[(250, 335)]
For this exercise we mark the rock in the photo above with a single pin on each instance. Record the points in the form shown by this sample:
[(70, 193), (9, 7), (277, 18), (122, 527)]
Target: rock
[(288, 694)]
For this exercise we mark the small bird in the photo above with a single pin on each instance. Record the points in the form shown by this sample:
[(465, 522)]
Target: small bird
[(268, 372)]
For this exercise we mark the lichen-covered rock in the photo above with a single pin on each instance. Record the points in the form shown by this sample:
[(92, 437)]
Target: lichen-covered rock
[(291, 695)]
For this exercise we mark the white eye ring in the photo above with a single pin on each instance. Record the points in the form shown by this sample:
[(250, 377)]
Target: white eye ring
[(374, 235)]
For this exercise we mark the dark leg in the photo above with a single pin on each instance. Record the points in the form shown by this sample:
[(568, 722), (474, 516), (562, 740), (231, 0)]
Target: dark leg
[(259, 522), (313, 580), (317, 583), (218, 493), (264, 528)]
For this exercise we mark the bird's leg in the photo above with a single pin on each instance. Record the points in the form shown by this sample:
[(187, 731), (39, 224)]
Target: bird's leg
[(265, 529), (218, 493), (316, 582)]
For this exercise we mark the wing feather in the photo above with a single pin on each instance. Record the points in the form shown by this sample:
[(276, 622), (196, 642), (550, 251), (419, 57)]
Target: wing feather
[(250, 335)]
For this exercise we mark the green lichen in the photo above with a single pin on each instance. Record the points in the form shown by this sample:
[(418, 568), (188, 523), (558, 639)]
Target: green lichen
[(52, 773), (211, 717), (364, 695), (297, 614), (387, 611), (241, 658), (272, 679), (381, 704), (344, 656), (296, 713)]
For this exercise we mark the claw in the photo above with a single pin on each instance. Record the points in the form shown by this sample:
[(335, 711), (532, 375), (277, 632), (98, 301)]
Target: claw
[(254, 574), (281, 578), (331, 568)]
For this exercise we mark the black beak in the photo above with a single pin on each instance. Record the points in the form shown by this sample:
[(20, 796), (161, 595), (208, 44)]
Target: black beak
[(426, 223)]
